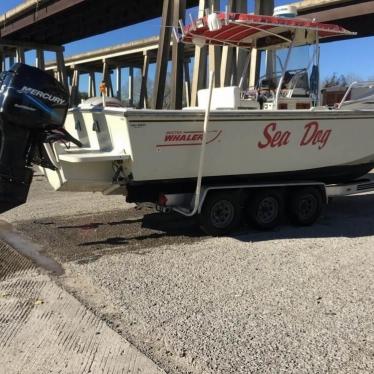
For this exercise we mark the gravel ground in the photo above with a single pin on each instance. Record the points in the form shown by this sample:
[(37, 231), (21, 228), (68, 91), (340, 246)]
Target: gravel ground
[(234, 306), (296, 300), (44, 330), (43, 201)]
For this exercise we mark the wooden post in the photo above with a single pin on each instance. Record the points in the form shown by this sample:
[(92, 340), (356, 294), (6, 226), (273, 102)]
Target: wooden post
[(162, 55), (143, 89), (131, 86), (179, 10), (199, 75)]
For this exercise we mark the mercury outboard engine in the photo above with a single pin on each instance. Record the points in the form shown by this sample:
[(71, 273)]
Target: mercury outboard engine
[(33, 107)]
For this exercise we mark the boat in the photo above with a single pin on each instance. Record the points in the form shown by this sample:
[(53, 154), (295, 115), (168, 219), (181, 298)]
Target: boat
[(143, 153), (158, 150)]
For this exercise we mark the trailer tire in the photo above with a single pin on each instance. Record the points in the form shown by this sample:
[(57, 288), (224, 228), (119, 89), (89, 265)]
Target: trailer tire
[(305, 206), (265, 209), (221, 213)]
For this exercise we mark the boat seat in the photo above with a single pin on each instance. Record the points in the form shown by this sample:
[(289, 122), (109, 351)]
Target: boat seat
[(222, 98)]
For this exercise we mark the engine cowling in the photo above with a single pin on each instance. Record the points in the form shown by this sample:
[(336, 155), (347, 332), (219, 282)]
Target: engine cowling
[(32, 104)]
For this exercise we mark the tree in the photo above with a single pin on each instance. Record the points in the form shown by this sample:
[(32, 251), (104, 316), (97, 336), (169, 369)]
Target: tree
[(342, 80), (334, 80)]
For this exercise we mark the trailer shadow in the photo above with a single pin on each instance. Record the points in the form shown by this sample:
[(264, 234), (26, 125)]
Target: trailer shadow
[(349, 217), (87, 238)]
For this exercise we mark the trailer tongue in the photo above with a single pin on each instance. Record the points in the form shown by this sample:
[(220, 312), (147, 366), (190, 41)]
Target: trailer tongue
[(33, 107)]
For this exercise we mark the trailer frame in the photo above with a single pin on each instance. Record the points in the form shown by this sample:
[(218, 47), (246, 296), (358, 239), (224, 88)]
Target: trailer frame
[(182, 202)]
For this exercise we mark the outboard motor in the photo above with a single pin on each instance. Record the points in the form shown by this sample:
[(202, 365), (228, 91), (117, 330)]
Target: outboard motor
[(33, 108)]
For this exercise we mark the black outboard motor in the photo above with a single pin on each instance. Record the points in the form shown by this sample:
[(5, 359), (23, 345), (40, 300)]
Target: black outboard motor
[(33, 107)]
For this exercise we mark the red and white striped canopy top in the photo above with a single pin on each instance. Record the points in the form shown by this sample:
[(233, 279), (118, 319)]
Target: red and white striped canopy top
[(257, 31)]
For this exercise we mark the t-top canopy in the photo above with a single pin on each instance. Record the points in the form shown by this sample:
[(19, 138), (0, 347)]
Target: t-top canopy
[(257, 31)]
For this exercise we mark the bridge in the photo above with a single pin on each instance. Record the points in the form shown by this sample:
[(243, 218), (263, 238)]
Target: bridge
[(59, 22), (49, 24)]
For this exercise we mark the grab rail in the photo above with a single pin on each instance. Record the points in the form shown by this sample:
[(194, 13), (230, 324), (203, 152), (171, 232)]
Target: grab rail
[(370, 84)]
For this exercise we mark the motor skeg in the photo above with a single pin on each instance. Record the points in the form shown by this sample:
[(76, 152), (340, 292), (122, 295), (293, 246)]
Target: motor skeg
[(32, 103)]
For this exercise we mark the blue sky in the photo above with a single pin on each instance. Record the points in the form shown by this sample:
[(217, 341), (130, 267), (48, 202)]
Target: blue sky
[(346, 57)]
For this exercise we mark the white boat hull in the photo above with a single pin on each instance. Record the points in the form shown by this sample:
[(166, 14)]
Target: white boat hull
[(163, 146)]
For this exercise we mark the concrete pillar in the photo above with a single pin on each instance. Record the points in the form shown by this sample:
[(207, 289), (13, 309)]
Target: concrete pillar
[(20, 53), (265, 7), (163, 55), (40, 63), (118, 82), (227, 65), (131, 86), (233, 60), (2, 64), (63, 78), (74, 95), (199, 75), (11, 61), (215, 53), (143, 88), (179, 11), (91, 84), (107, 78), (187, 82)]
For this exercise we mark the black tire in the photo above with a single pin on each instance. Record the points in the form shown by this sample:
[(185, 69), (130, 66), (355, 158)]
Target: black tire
[(221, 213), (305, 206), (265, 209)]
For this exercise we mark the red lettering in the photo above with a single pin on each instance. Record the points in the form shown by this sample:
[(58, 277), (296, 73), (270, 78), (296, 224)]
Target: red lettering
[(169, 138), (274, 138), (324, 139), (314, 135), (309, 133), (197, 137), (183, 137), (267, 135)]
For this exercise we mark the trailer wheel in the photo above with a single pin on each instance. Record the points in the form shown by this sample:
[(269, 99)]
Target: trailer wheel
[(221, 213), (265, 209), (305, 206)]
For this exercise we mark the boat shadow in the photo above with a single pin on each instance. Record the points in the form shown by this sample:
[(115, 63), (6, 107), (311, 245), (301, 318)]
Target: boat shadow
[(349, 217)]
